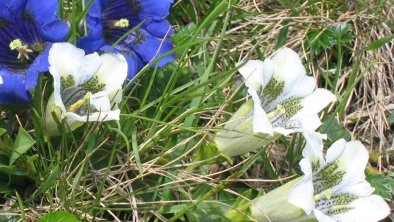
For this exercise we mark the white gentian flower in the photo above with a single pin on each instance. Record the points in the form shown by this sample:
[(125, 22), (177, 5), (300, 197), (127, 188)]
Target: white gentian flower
[(334, 187), (86, 87), (285, 100)]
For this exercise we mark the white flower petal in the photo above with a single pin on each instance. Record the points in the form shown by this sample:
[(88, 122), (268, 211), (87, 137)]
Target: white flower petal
[(113, 71), (322, 217), (313, 150), (301, 195), (304, 123), (353, 162), (69, 60), (56, 89), (261, 123), (314, 103), (304, 86), (367, 209), (283, 131), (288, 65), (268, 71), (89, 66), (360, 187), (335, 150), (355, 157), (100, 102), (105, 116), (252, 72), (72, 118)]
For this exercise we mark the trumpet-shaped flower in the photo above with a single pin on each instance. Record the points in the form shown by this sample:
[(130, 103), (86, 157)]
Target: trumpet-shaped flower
[(285, 100), (334, 187), (86, 87), (26, 29), (138, 28)]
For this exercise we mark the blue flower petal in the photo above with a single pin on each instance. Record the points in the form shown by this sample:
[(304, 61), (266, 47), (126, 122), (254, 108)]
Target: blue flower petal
[(160, 29), (94, 40), (150, 48), (39, 65), (5, 12), (12, 88), (16, 6), (140, 47), (154, 9), (48, 23), (134, 65)]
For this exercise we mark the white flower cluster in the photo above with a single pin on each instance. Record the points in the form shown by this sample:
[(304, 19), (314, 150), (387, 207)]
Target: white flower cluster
[(285, 100)]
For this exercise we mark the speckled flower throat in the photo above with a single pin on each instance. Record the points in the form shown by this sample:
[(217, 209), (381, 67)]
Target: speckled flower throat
[(327, 201), (279, 108), (76, 98)]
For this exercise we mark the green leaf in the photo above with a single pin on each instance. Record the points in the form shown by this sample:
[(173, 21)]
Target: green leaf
[(2, 131), (390, 118), (379, 43), (334, 131), (6, 145), (22, 144), (207, 211), (59, 216), (383, 185), (4, 188), (282, 39), (51, 179), (9, 218)]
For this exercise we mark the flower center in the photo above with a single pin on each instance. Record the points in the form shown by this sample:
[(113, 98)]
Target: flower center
[(78, 104), (122, 23), (76, 99), (280, 110), (331, 204), (23, 50)]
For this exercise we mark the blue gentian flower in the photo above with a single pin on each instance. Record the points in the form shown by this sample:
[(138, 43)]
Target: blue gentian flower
[(109, 20), (27, 28)]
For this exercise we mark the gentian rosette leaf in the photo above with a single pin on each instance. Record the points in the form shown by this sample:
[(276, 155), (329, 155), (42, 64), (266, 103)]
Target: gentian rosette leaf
[(86, 87), (27, 28), (142, 24), (284, 100)]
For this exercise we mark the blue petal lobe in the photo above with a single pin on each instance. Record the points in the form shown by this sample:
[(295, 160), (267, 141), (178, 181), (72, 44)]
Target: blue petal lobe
[(16, 6), (12, 88), (94, 40), (154, 9), (151, 48), (48, 23), (160, 29), (39, 65)]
